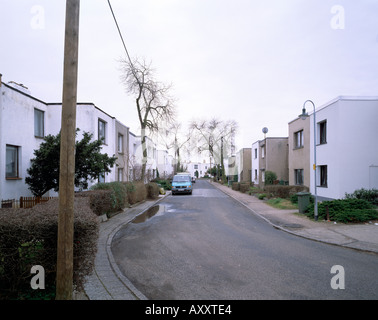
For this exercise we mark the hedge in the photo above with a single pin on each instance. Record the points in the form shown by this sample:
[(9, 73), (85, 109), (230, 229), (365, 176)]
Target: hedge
[(282, 191), (28, 237), (136, 191), (118, 195), (345, 210), (152, 190), (100, 201)]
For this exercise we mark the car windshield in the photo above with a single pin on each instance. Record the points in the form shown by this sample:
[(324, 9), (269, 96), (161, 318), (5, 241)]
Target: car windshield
[(181, 179)]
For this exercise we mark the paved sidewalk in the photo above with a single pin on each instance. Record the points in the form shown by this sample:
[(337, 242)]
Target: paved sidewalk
[(108, 283), (362, 236)]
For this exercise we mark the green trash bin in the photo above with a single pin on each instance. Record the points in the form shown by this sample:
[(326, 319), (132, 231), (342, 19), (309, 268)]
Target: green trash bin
[(303, 201)]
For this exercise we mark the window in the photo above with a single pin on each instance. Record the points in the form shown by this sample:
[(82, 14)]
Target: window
[(196, 166), (39, 125), (120, 143), (12, 162), (322, 129), (298, 139), (101, 178), (298, 176), (101, 130), (263, 152), (323, 176), (255, 153)]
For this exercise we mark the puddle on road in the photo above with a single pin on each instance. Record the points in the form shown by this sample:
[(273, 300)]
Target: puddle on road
[(148, 214)]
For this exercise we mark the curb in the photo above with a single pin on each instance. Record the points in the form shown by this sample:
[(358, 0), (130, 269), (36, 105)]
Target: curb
[(349, 246), (123, 279)]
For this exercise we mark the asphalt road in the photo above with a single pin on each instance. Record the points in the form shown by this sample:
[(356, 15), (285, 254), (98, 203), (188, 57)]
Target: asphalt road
[(208, 246)]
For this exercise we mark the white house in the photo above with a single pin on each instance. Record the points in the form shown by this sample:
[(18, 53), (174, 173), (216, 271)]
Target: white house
[(164, 164), (135, 163), (255, 169), (200, 167), (25, 121), (22, 127), (346, 146)]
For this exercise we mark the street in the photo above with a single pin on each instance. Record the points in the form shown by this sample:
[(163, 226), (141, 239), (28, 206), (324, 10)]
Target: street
[(208, 246)]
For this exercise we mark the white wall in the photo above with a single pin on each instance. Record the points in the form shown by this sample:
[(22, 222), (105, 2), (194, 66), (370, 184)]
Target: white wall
[(351, 149), (255, 163), (17, 129), (202, 168), (87, 117)]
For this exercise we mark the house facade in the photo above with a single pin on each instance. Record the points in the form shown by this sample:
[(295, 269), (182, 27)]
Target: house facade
[(200, 167), (346, 146), (299, 152), (164, 164), (243, 164), (136, 158), (269, 154), (255, 167), (22, 128), (26, 120)]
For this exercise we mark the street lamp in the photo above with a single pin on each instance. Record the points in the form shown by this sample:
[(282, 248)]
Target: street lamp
[(303, 116)]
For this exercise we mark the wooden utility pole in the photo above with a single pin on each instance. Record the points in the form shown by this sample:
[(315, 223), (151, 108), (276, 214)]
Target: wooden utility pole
[(64, 276)]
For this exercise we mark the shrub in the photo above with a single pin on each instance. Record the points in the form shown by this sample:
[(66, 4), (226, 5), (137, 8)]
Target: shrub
[(368, 195), (345, 210), (153, 190), (136, 191), (270, 177), (29, 237), (164, 184), (100, 200), (118, 195), (244, 187), (261, 196), (285, 192), (236, 186)]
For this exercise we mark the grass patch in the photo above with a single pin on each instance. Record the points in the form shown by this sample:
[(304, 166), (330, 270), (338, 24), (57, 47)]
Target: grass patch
[(280, 203)]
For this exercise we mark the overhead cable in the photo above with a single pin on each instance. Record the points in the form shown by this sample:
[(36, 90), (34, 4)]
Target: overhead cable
[(119, 31)]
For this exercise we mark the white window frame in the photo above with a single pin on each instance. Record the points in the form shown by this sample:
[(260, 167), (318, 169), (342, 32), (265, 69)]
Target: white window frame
[(39, 123)]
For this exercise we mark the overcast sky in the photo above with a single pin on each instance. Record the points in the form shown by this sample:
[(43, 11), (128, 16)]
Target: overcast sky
[(254, 61)]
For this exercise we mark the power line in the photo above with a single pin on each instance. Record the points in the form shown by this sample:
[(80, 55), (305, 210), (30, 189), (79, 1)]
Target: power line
[(119, 31)]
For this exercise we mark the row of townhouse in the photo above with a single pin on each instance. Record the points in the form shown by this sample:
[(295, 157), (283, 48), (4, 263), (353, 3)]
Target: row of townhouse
[(346, 145), (26, 120)]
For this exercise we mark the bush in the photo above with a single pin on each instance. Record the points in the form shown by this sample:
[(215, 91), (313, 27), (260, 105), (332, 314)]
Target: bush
[(244, 187), (368, 195), (28, 237), (118, 194), (136, 191), (236, 186), (261, 196), (285, 192), (100, 200), (153, 190), (345, 210), (164, 184), (270, 177)]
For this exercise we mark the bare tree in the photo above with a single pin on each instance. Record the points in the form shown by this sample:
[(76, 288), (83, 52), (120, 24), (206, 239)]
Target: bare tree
[(153, 100), (173, 137), (216, 137)]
